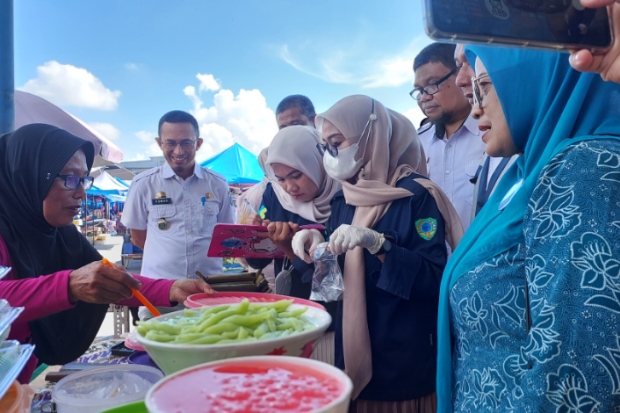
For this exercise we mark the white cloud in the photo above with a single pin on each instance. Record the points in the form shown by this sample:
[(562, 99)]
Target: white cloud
[(149, 151), (154, 150), (244, 119), (151, 148), (415, 115), (208, 82), (131, 66), (139, 157), (69, 85), (106, 129), (145, 136), (354, 64)]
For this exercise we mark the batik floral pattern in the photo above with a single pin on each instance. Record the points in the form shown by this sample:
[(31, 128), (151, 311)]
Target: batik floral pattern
[(600, 271), (568, 361)]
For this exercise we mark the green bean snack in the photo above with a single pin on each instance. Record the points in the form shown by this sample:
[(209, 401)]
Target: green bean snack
[(228, 324)]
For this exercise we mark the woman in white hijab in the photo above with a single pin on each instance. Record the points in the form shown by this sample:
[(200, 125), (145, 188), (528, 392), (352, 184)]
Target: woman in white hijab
[(299, 193), (391, 224)]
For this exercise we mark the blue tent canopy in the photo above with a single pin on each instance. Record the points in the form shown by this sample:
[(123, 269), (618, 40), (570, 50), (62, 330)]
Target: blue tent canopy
[(112, 195), (237, 164)]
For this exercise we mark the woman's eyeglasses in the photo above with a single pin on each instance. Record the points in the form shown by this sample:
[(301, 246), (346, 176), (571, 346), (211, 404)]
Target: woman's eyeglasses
[(416, 94), (333, 151), (478, 84), (72, 181), (330, 149)]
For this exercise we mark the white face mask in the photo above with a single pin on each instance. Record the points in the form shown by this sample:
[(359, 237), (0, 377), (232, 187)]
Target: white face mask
[(343, 166)]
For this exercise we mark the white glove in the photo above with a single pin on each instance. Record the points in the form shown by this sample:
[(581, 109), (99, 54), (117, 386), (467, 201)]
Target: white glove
[(304, 241), (347, 237)]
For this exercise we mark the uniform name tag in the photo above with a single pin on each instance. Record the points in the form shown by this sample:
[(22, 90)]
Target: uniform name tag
[(161, 201)]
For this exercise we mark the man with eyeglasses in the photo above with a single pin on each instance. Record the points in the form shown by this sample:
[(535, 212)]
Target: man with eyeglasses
[(451, 140), (171, 210)]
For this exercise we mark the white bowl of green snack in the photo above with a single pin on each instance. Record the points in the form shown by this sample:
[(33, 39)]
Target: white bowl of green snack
[(194, 336)]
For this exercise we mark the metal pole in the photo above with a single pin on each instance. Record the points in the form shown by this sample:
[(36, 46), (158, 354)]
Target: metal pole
[(7, 69)]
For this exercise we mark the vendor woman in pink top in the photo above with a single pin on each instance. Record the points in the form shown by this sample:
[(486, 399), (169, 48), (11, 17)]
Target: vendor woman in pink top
[(57, 275)]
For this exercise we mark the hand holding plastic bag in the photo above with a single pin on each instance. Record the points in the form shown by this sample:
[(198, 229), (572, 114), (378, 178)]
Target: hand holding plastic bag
[(327, 283), (306, 240), (347, 237)]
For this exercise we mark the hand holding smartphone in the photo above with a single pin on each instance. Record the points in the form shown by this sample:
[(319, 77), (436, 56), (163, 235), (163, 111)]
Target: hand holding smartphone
[(548, 24), (607, 64)]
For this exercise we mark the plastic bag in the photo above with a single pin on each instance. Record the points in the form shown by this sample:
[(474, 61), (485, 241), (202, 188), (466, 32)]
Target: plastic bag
[(327, 284), (284, 279)]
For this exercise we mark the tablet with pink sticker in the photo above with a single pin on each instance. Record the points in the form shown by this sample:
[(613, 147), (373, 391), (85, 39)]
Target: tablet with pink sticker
[(248, 241)]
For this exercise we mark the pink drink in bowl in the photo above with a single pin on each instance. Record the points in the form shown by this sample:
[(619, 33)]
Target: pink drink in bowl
[(205, 300), (261, 384)]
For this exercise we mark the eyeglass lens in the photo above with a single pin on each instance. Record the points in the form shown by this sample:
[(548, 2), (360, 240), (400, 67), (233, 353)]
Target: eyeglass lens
[(433, 88), (73, 181), (186, 144), (330, 149)]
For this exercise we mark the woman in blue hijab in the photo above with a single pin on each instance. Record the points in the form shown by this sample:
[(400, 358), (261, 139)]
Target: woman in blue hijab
[(529, 316)]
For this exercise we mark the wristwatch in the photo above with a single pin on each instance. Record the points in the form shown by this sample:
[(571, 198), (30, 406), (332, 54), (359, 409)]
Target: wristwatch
[(385, 247)]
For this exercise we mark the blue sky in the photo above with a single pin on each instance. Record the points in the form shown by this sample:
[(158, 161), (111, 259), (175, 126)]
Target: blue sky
[(120, 65)]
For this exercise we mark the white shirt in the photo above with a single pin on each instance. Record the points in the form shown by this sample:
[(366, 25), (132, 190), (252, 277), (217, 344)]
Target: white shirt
[(453, 162), (196, 204)]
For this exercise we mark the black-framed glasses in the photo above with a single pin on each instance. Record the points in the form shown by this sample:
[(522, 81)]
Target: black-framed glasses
[(416, 94), (185, 144), (329, 148), (475, 82), (72, 181)]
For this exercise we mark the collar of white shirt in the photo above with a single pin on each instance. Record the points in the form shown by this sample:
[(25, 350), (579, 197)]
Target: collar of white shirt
[(470, 124), (167, 171)]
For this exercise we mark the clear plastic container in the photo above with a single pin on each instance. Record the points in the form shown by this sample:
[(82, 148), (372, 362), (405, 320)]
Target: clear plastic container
[(97, 389), (7, 316), (13, 357), (4, 271), (9, 354)]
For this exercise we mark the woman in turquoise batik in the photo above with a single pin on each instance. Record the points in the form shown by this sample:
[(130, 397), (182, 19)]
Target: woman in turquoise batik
[(530, 300)]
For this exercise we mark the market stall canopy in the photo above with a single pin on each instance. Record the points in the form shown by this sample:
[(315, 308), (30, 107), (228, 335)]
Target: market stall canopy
[(111, 195), (30, 108), (237, 164), (106, 182), (115, 170)]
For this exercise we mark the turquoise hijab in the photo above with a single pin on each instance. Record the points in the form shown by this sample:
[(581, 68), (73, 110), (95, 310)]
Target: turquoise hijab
[(548, 106)]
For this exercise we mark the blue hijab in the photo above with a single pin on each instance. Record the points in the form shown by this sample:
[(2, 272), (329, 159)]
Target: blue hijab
[(548, 106)]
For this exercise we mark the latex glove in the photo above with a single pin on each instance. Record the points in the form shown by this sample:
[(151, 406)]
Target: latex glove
[(304, 241), (347, 237)]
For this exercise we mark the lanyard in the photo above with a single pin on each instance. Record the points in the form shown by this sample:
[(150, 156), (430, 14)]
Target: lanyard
[(486, 186)]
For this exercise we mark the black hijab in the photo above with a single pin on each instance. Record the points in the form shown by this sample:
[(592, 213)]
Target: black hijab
[(30, 159)]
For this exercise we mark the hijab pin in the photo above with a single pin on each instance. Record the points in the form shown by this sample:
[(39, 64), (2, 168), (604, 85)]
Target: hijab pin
[(510, 194), (48, 176)]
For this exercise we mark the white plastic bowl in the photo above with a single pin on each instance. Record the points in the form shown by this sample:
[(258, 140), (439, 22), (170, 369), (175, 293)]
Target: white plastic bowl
[(192, 375), (172, 357), (101, 388)]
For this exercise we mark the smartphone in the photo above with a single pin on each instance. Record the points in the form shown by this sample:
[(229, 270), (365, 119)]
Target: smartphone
[(547, 24)]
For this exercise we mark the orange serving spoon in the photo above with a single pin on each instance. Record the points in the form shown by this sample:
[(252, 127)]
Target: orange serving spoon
[(137, 293)]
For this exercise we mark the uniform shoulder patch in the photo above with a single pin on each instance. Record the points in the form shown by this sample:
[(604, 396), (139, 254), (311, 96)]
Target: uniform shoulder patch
[(426, 227), (146, 174)]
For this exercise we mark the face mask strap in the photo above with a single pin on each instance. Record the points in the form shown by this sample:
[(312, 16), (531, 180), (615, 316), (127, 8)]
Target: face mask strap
[(368, 126)]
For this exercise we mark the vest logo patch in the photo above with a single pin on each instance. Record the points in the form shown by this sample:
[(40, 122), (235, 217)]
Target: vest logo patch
[(426, 228)]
